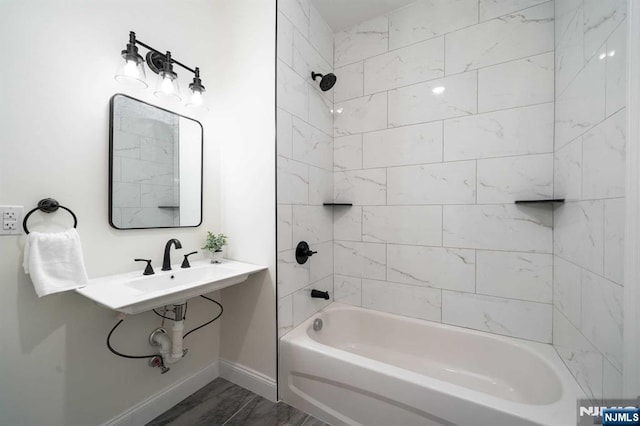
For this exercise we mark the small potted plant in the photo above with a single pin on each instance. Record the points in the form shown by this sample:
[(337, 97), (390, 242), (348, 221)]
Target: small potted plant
[(214, 245)]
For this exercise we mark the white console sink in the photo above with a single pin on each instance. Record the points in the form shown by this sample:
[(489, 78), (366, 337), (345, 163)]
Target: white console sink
[(133, 292)]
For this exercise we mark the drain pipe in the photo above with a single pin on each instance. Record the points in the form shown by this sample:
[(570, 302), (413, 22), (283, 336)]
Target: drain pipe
[(171, 350)]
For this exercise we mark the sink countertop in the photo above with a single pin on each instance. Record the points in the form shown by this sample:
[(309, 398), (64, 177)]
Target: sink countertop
[(132, 292)]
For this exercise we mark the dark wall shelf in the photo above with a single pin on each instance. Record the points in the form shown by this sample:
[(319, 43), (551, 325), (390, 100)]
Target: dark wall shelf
[(551, 200), (338, 204), (168, 207)]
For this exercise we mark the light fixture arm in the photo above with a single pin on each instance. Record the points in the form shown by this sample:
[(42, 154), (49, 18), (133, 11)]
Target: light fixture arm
[(133, 40)]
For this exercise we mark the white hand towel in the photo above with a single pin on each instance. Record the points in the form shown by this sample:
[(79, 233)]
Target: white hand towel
[(54, 261)]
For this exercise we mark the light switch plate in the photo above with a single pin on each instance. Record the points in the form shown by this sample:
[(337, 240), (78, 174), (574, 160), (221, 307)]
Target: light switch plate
[(11, 220)]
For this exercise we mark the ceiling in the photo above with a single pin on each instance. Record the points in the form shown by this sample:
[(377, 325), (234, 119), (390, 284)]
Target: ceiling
[(341, 14)]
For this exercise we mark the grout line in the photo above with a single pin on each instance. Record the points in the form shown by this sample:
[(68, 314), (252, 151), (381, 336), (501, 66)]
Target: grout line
[(240, 409), (449, 75)]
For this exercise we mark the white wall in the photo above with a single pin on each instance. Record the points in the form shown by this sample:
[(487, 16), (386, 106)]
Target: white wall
[(57, 79), (245, 126), (305, 161), (590, 172), (433, 232)]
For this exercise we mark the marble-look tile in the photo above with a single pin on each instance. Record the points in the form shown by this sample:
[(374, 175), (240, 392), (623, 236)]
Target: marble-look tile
[(569, 50), (284, 133), (347, 152), (498, 227), (361, 41), (147, 217), (503, 180), (402, 67), (524, 276), (425, 102), (298, 13), (156, 151), (320, 111), (509, 317), (440, 183), (293, 182), (262, 412), (420, 225), (526, 33), (320, 186), (616, 92), (603, 158), (578, 233), (582, 105), (157, 195), (402, 299), (581, 358), (418, 144), (305, 306), (307, 59), (426, 19), (450, 269), (347, 223), (517, 83), (364, 260), (285, 227), (611, 381), (363, 187), (490, 9), (128, 145), (567, 173), (360, 115), (291, 275), (146, 172), (567, 289), (127, 195), (614, 239), (347, 290), (313, 224), (285, 315), (518, 131), (601, 18), (321, 35), (311, 146), (213, 405), (285, 40), (601, 320), (349, 84), (292, 92), (321, 266)]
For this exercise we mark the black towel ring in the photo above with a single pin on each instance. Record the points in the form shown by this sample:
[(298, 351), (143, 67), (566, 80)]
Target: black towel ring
[(48, 205)]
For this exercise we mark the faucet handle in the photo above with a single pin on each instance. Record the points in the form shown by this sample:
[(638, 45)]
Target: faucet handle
[(149, 269), (185, 262)]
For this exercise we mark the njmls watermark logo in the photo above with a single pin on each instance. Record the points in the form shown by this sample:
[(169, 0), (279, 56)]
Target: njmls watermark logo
[(612, 412)]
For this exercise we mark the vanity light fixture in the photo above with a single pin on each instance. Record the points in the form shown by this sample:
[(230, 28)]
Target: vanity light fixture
[(133, 71)]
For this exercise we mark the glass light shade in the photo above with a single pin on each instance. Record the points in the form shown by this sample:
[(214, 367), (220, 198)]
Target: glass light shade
[(167, 87), (197, 101), (132, 73)]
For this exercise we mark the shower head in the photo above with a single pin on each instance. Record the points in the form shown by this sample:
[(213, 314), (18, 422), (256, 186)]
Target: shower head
[(326, 82)]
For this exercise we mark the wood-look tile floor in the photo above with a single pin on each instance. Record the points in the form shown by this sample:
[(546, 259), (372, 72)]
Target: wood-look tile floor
[(224, 403)]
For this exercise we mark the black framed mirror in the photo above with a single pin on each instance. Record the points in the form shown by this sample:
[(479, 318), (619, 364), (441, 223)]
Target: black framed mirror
[(155, 166)]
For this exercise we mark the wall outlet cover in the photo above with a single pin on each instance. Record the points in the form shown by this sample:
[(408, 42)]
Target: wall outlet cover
[(11, 220)]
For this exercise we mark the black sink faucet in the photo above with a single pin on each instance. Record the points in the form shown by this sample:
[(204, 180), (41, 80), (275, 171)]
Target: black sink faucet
[(166, 262)]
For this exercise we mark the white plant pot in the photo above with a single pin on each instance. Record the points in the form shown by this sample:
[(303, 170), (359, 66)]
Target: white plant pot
[(216, 256)]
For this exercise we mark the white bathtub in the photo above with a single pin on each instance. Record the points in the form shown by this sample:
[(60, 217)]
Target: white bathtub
[(371, 368)]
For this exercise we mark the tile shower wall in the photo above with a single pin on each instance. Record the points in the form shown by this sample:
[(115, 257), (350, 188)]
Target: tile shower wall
[(305, 160), (589, 164), (444, 117), (145, 165)]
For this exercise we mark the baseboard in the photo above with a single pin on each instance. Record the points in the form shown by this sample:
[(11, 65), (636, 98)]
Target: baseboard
[(147, 410), (250, 379)]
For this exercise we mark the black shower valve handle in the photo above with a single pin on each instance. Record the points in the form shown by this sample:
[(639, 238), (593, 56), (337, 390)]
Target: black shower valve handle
[(185, 262), (303, 252), (148, 270)]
